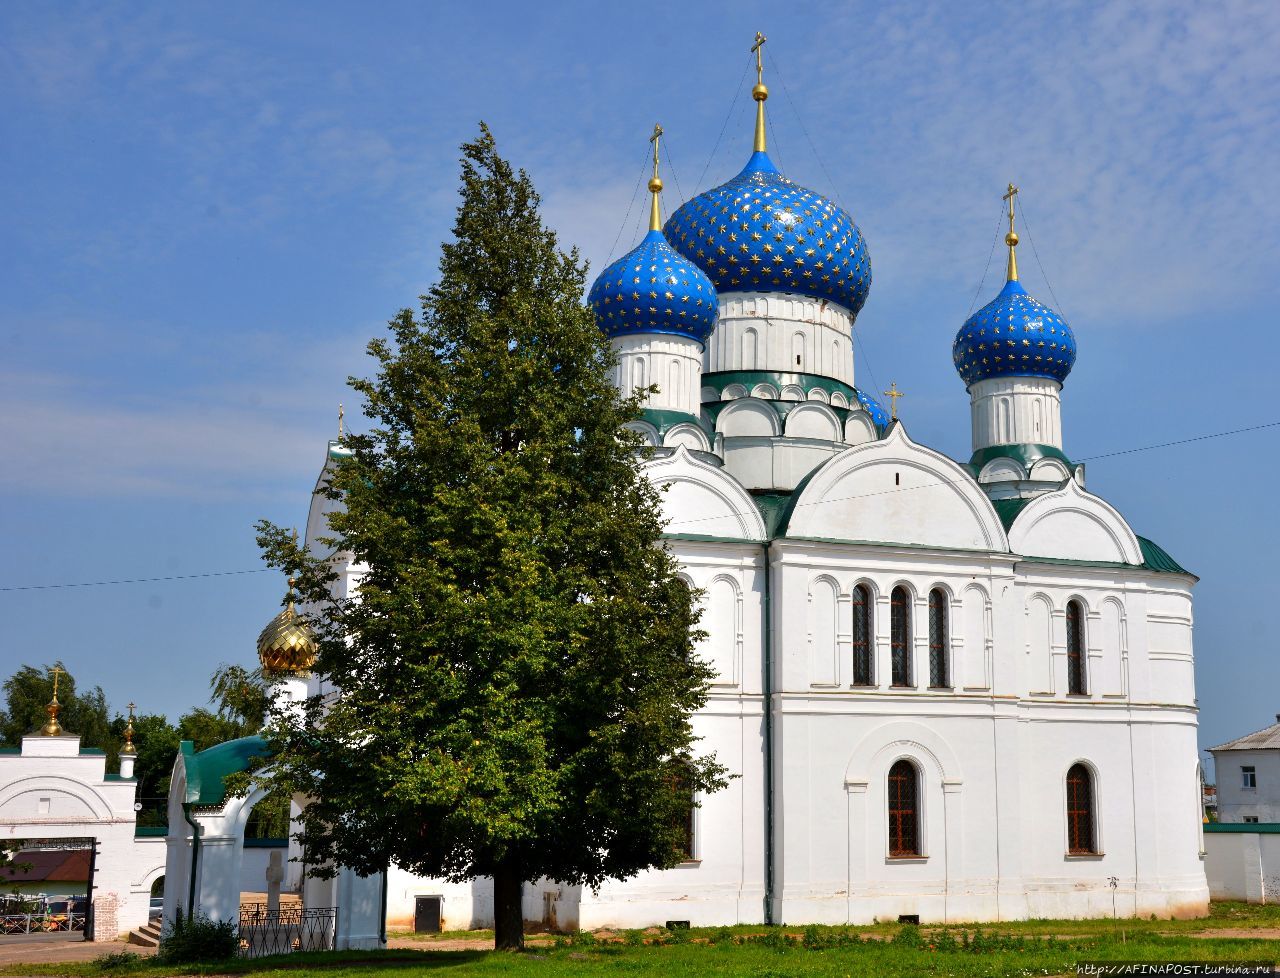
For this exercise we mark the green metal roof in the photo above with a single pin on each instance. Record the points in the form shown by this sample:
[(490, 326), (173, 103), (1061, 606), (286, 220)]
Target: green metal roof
[(664, 420), (1025, 455), (749, 378), (150, 831), (1156, 558), (1008, 510), (1266, 828), (207, 770)]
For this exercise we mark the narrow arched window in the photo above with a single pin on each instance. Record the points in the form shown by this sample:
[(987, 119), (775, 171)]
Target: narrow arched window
[(861, 636), (938, 639), (1075, 648), (900, 636), (904, 809), (1080, 834)]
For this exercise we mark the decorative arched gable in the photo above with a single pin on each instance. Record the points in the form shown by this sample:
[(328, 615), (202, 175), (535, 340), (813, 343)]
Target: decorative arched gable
[(700, 498), (895, 491), (1072, 524)]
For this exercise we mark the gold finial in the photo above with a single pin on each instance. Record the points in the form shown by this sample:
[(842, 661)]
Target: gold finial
[(340, 416), (52, 727), (760, 92), (128, 747), (1011, 239), (893, 394), (655, 183)]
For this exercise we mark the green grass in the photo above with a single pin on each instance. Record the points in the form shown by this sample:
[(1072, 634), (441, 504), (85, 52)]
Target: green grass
[(1030, 948)]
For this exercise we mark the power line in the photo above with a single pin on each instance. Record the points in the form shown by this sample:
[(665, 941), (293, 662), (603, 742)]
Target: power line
[(621, 227), (863, 495), (972, 481), (727, 116), (136, 580), (978, 291)]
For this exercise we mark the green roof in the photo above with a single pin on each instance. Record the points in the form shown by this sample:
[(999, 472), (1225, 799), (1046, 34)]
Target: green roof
[(1008, 510), (1266, 828), (664, 420), (150, 831), (1025, 455), (207, 770), (1156, 558)]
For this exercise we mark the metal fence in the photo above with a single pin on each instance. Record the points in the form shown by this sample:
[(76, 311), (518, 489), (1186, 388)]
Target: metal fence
[(284, 931), (41, 923)]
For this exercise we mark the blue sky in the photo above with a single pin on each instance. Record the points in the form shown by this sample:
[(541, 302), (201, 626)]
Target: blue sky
[(208, 209)]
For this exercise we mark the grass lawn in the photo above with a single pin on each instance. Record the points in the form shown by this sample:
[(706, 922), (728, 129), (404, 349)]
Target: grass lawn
[(1046, 947)]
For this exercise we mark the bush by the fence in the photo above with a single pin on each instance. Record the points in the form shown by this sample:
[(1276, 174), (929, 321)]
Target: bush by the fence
[(190, 940)]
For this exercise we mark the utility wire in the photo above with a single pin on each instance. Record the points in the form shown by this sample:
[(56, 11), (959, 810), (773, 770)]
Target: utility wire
[(622, 227), (1022, 211), (972, 482), (672, 167), (863, 495), (727, 116), (977, 292), (136, 580)]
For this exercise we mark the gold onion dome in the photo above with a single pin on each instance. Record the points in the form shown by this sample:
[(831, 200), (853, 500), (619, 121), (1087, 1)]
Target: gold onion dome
[(288, 643)]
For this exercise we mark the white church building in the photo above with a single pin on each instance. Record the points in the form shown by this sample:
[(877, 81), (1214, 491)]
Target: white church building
[(951, 690)]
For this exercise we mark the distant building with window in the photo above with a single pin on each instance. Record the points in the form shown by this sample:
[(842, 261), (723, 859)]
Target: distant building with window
[(1247, 772)]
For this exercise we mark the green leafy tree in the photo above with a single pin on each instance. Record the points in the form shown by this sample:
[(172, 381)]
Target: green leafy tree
[(29, 690), (517, 677)]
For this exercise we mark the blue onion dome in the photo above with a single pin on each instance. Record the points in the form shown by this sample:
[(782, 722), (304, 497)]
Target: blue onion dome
[(653, 289), (873, 407), (1014, 335), (761, 232)]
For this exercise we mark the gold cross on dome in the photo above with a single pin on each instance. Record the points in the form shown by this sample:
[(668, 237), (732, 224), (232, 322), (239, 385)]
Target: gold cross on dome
[(340, 417), (893, 394), (131, 707), (57, 671), (756, 50)]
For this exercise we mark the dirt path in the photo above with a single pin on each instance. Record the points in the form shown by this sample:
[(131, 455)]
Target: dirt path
[(47, 950)]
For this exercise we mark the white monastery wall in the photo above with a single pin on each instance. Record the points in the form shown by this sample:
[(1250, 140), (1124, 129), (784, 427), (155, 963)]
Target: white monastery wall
[(52, 791), (1243, 866)]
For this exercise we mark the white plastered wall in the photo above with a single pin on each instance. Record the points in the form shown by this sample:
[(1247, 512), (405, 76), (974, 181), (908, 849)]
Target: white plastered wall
[(1016, 411), (671, 363), (781, 332)]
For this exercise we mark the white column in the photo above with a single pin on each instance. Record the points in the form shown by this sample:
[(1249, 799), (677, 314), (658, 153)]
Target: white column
[(1016, 411)]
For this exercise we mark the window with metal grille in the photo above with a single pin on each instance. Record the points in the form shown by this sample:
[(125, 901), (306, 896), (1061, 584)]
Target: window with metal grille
[(904, 809), (862, 636), (938, 672), (900, 636), (1075, 648), (1080, 835)]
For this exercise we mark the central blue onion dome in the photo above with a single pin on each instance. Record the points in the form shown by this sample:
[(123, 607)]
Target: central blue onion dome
[(652, 289), (762, 233), (1014, 335)]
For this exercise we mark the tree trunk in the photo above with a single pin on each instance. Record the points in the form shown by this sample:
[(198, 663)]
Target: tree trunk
[(508, 912)]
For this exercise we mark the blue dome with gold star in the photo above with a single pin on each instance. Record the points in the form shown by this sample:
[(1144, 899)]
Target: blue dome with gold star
[(653, 289), (1014, 335), (762, 233)]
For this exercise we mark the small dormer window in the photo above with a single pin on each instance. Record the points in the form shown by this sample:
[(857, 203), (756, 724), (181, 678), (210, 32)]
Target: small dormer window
[(1248, 777)]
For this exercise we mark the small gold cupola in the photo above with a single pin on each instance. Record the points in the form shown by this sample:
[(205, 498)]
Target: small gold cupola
[(52, 727), (287, 646)]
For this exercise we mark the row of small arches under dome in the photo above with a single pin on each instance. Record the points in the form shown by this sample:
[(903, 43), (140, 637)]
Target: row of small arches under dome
[(761, 232)]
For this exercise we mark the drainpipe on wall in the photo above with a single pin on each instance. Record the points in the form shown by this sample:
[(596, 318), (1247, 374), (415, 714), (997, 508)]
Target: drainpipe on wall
[(195, 860), (767, 697)]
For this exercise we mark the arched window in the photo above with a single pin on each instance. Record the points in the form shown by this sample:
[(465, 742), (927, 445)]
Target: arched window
[(938, 639), (797, 351), (900, 636), (1080, 834), (904, 809), (862, 647), (1075, 648), (749, 350)]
